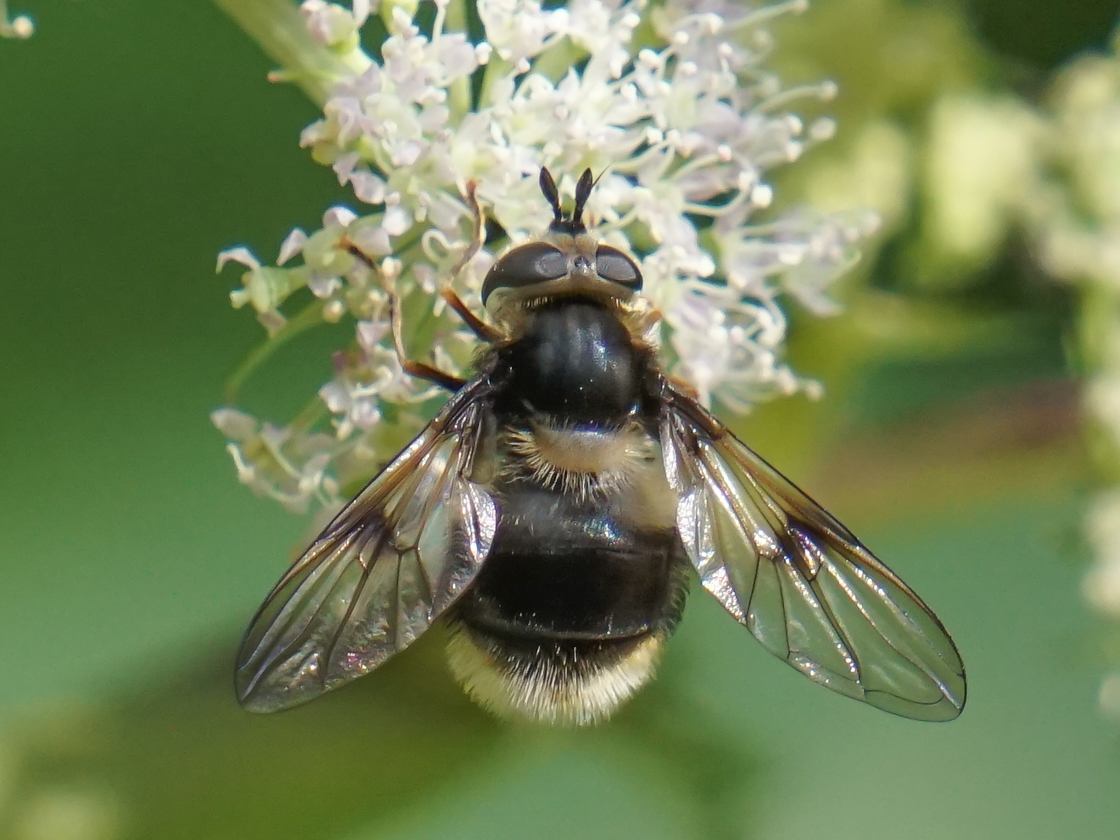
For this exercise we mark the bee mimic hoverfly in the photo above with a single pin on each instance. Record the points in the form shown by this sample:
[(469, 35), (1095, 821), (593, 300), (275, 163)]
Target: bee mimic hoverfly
[(554, 510)]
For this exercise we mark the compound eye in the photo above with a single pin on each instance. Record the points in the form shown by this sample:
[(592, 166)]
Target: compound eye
[(525, 265), (611, 264)]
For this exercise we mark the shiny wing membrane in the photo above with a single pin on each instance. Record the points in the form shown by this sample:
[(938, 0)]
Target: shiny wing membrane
[(807, 589), (377, 577)]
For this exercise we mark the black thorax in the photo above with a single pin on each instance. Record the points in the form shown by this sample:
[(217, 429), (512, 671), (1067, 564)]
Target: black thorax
[(575, 362)]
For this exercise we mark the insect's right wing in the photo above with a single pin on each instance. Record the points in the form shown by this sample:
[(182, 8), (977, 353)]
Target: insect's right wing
[(377, 577), (803, 585)]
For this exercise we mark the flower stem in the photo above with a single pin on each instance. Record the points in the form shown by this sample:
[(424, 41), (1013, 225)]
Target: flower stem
[(305, 319), (278, 29)]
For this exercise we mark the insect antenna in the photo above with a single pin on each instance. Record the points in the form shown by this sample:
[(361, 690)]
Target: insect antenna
[(552, 195), (583, 191), (574, 223)]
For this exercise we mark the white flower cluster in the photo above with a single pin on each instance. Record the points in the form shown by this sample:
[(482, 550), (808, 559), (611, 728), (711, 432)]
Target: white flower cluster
[(982, 173), (668, 104), (1077, 229)]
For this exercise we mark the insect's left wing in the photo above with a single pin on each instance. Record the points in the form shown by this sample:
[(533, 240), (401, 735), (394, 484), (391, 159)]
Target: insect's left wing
[(377, 577), (803, 585)]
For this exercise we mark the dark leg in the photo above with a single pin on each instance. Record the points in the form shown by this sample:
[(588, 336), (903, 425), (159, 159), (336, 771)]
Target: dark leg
[(418, 369), (412, 368), (479, 327)]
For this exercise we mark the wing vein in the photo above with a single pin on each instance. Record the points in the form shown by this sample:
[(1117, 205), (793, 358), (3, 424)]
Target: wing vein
[(847, 621), (345, 606)]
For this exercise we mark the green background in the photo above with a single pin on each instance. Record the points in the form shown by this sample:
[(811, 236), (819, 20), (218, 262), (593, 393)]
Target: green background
[(136, 140)]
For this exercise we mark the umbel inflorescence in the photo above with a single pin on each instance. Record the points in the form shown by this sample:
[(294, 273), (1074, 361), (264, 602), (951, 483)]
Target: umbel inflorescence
[(669, 104)]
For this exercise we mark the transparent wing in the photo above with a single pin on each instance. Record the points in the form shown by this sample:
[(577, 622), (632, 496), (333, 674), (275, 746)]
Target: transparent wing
[(804, 586), (377, 577)]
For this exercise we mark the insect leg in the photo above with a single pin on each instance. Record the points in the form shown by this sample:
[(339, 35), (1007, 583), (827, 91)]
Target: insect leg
[(409, 366), (414, 368), (684, 387), (479, 327), (477, 230)]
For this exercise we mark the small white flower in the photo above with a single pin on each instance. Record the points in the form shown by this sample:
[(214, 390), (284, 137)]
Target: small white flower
[(18, 27), (981, 168), (280, 463), (1102, 585), (330, 24), (1109, 696), (682, 127), (518, 30)]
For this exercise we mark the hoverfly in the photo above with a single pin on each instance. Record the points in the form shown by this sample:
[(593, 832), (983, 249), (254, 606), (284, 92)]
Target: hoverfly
[(554, 510)]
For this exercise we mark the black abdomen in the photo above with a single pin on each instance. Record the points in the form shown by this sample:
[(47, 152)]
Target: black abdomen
[(562, 567)]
